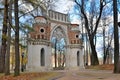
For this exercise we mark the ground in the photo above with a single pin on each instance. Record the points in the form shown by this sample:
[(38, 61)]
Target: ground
[(30, 76), (89, 74), (102, 72)]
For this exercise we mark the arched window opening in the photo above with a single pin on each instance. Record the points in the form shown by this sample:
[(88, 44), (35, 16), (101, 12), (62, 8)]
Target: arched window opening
[(42, 57), (78, 58)]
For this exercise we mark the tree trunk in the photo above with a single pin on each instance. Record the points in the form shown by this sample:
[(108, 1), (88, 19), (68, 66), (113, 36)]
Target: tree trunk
[(108, 54), (7, 56), (105, 55), (86, 50), (116, 39), (17, 56), (4, 38), (89, 25), (94, 58)]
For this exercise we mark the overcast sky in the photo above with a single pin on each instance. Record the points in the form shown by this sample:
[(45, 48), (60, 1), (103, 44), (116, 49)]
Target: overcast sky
[(64, 6)]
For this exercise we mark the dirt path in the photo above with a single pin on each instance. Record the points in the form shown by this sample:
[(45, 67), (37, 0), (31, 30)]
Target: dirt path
[(88, 75)]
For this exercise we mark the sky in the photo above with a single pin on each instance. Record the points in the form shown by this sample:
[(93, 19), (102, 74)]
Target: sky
[(66, 6)]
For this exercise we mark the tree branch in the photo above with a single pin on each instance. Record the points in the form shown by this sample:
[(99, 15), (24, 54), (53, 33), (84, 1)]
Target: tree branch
[(98, 19), (29, 12), (1, 9), (84, 15)]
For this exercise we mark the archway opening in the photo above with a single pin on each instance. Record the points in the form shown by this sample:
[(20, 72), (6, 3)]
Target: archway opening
[(42, 57), (78, 58), (58, 48)]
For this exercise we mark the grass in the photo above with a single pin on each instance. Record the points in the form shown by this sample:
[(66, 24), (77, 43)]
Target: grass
[(102, 67), (1, 74)]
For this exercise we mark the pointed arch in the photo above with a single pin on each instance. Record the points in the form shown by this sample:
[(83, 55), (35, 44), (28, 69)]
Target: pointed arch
[(63, 30)]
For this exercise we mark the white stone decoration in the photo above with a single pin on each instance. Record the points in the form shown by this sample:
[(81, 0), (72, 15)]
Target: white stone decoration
[(40, 20)]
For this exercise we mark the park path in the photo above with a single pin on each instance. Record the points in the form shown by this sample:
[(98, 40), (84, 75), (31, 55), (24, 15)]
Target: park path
[(88, 75)]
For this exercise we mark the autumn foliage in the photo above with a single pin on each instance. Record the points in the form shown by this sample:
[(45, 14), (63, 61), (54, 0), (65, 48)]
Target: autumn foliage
[(24, 76), (102, 67)]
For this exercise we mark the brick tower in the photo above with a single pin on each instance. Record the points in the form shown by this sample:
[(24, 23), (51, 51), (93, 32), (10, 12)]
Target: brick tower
[(39, 49)]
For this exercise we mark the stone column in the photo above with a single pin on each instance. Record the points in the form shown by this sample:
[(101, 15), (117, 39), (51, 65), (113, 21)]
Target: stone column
[(67, 58), (82, 57), (72, 57)]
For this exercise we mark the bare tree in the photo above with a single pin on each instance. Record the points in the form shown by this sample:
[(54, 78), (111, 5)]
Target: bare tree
[(40, 7), (7, 56), (17, 56), (116, 39), (91, 25), (4, 37)]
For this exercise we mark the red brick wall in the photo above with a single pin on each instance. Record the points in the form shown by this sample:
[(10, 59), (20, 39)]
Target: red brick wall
[(72, 34), (37, 31)]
